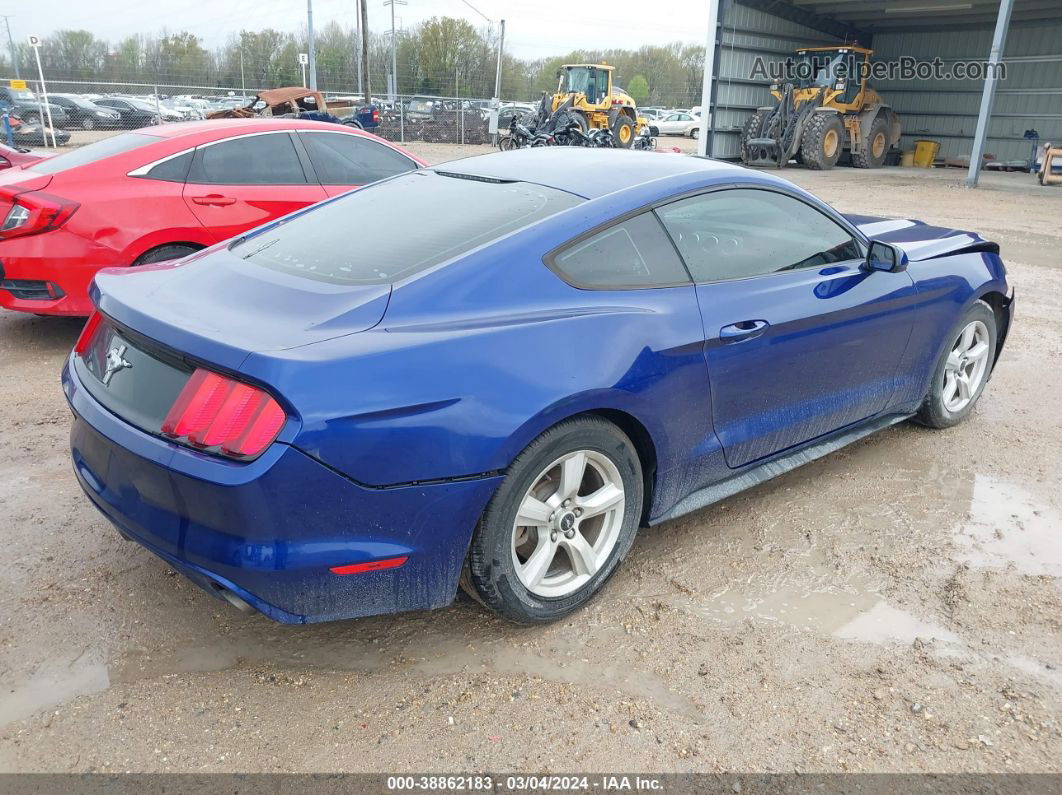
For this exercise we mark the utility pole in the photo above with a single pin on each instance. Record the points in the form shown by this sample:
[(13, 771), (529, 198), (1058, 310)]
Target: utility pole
[(501, 52), (363, 13), (357, 45), (310, 47), (11, 44), (394, 48)]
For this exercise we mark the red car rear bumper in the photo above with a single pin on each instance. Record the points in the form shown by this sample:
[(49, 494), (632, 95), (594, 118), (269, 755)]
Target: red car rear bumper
[(36, 267)]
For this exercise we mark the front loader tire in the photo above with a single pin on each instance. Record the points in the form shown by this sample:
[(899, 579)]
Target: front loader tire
[(752, 128), (623, 130), (822, 142), (875, 147)]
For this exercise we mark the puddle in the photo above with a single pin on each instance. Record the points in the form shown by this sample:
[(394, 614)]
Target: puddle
[(1008, 526), (884, 623), (52, 684)]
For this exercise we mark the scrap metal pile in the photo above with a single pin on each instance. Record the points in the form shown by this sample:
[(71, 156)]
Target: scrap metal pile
[(564, 127)]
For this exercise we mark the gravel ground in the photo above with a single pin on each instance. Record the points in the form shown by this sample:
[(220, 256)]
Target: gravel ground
[(895, 606)]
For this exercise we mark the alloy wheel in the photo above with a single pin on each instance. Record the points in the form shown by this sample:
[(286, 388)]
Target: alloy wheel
[(568, 523), (966, 367)]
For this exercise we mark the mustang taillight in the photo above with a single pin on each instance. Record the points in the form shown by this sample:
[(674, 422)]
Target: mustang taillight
[(33, 212), (218, 413), (87, 333)]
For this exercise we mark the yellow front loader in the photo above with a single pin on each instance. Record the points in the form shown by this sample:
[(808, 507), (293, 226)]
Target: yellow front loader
[(599, 104), (827, 108)]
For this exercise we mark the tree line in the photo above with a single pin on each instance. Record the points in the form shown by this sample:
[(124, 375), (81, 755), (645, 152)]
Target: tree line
[(443, 56)]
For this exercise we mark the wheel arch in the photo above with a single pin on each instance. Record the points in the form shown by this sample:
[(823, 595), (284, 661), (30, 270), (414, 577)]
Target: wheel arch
[(1000, 305), (155, 247), (609, 406)]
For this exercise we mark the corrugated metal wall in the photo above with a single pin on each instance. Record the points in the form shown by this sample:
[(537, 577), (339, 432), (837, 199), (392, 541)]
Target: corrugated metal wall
[(946, 111), (746, 34)]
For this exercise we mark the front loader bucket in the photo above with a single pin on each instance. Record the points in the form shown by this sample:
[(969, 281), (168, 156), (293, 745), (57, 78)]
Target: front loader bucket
[(764, 152)]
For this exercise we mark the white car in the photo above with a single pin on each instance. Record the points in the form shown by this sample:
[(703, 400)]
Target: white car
[(679, 124)]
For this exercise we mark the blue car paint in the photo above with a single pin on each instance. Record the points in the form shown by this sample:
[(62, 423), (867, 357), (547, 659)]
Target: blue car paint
[(407, 403)]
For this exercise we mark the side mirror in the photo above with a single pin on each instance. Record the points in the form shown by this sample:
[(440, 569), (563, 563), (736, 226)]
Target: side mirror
[(558, 73), (883, 256)]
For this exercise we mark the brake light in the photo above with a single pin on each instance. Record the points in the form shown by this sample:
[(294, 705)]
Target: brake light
[(87, 333), (375, 114), (219, 414), (33, 212)]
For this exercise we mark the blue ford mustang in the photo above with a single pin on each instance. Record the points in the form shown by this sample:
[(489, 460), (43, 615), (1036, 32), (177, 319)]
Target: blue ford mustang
[(494, 371)]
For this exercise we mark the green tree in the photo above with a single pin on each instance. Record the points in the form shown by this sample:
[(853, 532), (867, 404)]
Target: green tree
[(639, 89)]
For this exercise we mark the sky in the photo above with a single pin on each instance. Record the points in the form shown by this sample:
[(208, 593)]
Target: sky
[(534, 28)]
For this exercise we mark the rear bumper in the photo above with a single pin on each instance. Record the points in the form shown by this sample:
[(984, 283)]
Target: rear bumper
[(268, 530), (66, 260)]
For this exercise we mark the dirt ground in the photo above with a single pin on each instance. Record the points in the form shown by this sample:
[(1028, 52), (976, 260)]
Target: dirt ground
[(895, 606)]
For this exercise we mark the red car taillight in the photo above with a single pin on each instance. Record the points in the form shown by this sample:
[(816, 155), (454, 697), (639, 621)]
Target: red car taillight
[(33, 212), (376, 115), (233, 418)]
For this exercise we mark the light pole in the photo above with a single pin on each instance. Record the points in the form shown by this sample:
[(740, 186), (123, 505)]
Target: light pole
[(357, 44), (11, 44), (310, 47), (243, 81), (501, 48), (394, 48)]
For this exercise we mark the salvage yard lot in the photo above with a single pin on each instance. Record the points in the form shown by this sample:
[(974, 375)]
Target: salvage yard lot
[(896, 605)]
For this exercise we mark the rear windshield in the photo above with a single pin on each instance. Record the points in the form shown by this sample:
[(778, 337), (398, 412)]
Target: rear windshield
[(395, 228), (84, 155)]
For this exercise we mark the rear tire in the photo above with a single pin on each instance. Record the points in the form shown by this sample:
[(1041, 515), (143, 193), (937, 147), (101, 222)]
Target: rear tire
[(822, 142), (553, 564), (875, 148), (164, 253), (961, 374)]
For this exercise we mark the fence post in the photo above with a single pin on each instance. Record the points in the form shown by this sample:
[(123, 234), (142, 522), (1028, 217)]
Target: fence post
[(158, 108)]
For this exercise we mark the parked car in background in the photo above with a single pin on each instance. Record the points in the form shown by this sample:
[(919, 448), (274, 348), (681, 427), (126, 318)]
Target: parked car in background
[(28, 107), (85, 113), (164, 192), (677, 124), (34, 133), (494, 371), (17, 158), (133, 113)]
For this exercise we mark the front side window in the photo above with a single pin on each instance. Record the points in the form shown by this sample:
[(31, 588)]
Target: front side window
[(345, 159), (635, 253), (743, 232), (268, 159), (412, 222)]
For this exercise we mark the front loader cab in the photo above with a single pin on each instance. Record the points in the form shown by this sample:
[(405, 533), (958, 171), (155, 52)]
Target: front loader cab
[(592, 81), (840, 71)]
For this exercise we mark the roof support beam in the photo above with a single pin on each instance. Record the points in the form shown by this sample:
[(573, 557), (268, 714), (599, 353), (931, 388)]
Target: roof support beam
[(803, 16), (988, 95)]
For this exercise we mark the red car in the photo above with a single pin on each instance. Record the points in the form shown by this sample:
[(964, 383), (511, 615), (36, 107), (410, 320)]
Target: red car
[(161, 193), (17, 158)]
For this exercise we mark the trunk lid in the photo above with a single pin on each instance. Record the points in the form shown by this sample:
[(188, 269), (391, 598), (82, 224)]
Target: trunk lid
[(918, 239), (222, 309)]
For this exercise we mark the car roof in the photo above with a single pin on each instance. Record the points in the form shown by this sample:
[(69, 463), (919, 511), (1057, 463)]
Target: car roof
[(257, 124), (586, 172)]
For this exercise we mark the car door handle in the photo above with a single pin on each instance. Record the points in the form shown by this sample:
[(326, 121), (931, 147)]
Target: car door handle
[(745, 330), (214, 199)]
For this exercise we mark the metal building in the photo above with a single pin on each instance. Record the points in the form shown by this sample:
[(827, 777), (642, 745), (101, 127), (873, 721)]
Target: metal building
[(1029, 97)]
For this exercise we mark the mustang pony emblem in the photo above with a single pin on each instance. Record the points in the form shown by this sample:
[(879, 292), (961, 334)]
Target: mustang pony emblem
[(115, 362)]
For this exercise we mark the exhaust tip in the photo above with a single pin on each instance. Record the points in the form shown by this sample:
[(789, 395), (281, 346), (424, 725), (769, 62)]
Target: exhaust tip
[(234, 600)]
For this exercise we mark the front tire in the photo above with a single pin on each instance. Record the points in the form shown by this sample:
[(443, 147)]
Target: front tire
[(822, 141), (560, 523), (962, 370), (623, 130), (87, 123)]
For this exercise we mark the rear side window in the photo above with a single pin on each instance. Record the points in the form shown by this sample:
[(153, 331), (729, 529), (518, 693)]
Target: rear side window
[(115, 145), (395, 228), (173, 170), (268, 159), (343, 159), (631, 254)]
